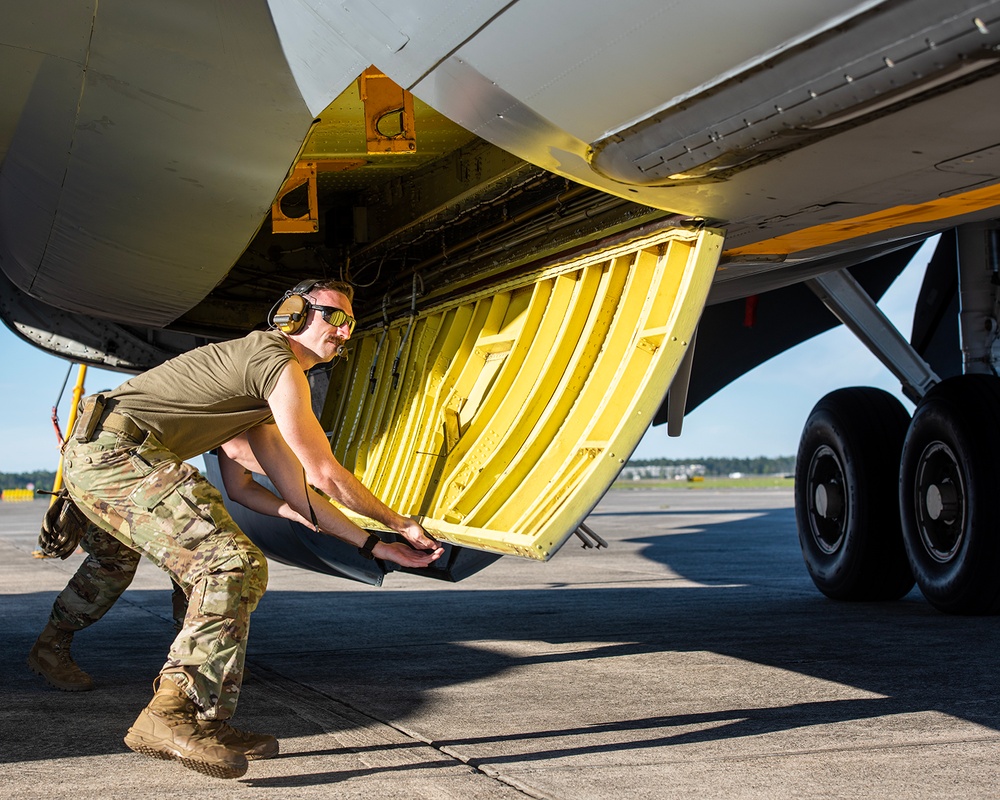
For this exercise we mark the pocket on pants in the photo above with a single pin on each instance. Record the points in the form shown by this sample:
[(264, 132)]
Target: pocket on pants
[(154, 488), (222, 591)]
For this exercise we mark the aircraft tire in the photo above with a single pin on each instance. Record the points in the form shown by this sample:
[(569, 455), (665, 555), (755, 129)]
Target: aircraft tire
[(948, 486), (846, 494)]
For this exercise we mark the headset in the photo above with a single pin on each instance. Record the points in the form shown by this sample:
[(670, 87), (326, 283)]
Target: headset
[(289, 314)]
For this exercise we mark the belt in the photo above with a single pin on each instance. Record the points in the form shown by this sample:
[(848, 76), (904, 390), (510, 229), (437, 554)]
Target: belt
[(120, 424)]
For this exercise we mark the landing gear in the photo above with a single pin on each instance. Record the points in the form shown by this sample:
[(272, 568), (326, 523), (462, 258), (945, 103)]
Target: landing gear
[(846, 495), (944, 511), (948, 494)]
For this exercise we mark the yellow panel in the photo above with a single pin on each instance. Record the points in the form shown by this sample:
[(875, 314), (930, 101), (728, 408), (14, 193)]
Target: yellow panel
[(514, 408)]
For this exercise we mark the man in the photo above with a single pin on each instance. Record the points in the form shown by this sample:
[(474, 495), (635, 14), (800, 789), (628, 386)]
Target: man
[(124, 467)]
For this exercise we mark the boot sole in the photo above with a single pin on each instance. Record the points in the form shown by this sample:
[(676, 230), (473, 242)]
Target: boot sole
[(214, 770), (62, 687)]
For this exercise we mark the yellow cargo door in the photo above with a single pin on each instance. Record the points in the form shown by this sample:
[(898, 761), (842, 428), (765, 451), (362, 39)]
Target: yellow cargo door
[(501, 417)]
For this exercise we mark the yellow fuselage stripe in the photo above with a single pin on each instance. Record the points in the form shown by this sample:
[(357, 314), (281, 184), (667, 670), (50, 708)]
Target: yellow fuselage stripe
[(833, 232)]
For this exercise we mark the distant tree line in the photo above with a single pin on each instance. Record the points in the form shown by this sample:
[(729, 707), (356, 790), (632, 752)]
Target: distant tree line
[(20, 480), (713, 467), (725, 466)]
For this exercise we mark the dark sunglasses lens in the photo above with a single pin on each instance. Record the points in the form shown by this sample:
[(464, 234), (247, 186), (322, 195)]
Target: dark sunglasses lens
[(336, 318)]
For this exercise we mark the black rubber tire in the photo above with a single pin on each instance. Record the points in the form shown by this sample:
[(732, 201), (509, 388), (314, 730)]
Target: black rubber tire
[(952, 449), (846, 495)]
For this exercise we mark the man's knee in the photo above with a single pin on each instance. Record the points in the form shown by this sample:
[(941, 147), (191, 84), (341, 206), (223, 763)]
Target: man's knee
[(238, 578)]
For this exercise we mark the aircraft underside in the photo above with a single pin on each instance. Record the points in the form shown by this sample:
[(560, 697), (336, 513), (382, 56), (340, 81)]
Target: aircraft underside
[(551, 249)]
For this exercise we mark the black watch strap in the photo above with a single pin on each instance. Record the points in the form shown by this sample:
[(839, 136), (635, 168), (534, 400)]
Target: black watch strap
[(368, 546)]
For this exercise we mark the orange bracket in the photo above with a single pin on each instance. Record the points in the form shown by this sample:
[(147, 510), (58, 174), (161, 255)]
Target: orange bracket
[(389, 119), (304, 172)]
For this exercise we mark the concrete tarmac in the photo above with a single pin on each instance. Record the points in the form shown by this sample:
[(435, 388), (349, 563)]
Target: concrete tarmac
[(692, 659)]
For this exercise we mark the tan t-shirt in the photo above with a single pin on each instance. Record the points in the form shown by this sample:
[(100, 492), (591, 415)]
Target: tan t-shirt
[(203, 398)]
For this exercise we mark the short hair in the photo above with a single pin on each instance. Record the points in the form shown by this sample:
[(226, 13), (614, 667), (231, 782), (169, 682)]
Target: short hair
[(333, 285)]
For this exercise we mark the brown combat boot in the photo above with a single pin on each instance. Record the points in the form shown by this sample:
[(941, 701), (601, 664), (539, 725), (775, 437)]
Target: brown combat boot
[(168, 729), (254, 746), (50, 658)]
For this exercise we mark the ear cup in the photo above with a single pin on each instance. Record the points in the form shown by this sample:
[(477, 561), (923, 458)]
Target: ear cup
[(290, 316)]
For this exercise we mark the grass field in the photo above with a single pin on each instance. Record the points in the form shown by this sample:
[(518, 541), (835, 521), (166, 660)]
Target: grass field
[(748, 482)]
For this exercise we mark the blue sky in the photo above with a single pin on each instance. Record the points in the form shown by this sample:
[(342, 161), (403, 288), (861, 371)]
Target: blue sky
[(761, 414), (29, 387)]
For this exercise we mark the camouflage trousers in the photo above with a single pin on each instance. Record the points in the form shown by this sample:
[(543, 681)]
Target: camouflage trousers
[(104, 575), (157, 505)]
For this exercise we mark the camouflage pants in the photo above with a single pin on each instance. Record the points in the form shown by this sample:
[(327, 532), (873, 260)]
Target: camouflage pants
[(165, 509), (105, 573)]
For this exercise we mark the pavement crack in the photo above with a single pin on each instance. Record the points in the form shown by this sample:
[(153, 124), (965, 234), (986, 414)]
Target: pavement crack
[(354, 728)]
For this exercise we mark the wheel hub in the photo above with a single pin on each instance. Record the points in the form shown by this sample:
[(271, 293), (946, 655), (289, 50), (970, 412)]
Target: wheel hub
[(829, 500), (940, 502), (827, 507)]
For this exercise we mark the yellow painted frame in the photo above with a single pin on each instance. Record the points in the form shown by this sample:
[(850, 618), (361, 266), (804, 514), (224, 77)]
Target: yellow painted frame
[(514, 408)]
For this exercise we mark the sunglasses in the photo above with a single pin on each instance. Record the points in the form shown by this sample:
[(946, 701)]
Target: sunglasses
[(335, 316)]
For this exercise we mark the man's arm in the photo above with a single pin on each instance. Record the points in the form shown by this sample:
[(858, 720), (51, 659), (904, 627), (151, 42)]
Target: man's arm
[(237, 476), (275, 458), (290, 403)]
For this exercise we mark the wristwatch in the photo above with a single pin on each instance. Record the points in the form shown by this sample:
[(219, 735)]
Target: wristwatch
[(368, 546)]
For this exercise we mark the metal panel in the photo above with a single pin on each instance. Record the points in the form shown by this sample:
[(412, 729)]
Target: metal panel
[(330, 43), (882, 60), (501, 417), (156, 154), (635, 56)]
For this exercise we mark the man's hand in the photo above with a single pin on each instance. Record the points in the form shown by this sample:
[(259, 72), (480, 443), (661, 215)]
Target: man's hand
[(402, 554), (417, 536)]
